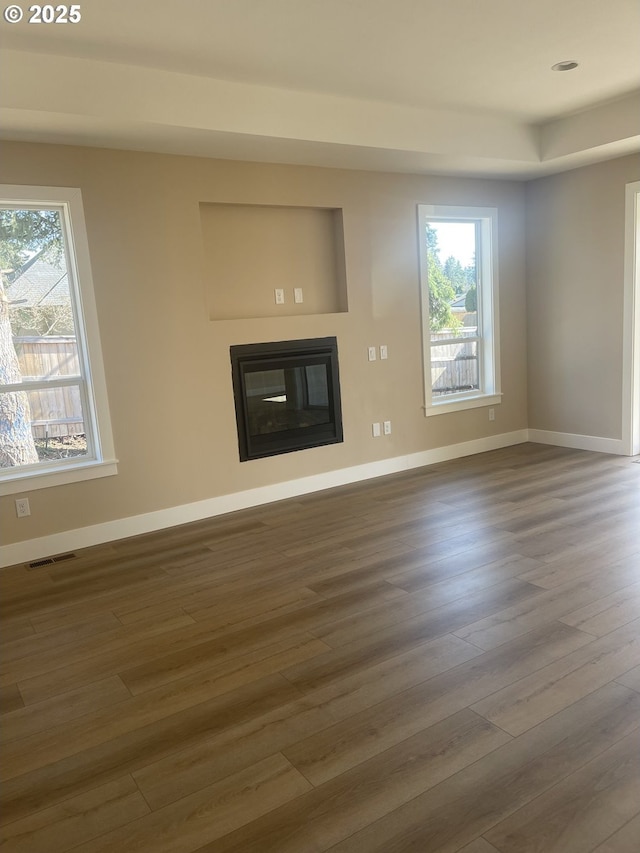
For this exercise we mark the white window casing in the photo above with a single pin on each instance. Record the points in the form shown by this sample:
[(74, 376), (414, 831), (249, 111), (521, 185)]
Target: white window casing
[(487, 337), (99, 459)]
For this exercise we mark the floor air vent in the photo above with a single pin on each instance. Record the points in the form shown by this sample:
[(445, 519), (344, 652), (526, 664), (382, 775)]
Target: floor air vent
[(49, 561)]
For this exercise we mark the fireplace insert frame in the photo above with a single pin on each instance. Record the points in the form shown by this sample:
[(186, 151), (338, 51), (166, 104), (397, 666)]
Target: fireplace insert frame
[(283, 355)]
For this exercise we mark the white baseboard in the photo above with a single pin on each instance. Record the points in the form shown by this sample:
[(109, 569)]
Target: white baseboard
[(578, 442), (85, 537)]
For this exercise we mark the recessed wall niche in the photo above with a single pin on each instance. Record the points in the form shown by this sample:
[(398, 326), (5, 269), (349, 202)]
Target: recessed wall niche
[(252, 250)]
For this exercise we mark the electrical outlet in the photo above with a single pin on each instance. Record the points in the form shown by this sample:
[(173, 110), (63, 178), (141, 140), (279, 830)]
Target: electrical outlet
[(372, 353), (384, 352), (492, 414), (386, 427), (375, 430), (297, 295), (279, 294), (22, 507)]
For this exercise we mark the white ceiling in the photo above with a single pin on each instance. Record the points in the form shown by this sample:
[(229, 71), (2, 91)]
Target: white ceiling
[(458, 86)]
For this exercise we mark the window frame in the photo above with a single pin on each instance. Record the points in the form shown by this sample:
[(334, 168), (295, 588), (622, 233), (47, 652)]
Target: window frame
[(488, 336), (100, 460)]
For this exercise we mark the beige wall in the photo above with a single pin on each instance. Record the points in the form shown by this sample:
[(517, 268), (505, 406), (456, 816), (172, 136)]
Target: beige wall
[(575, 278), (250, 250), (167, 363)]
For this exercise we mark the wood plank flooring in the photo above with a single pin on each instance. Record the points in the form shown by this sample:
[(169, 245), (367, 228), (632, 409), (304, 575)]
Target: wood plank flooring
[(442, 660)]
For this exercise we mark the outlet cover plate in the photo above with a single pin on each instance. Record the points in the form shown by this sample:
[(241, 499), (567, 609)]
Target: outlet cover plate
[(22, 507)]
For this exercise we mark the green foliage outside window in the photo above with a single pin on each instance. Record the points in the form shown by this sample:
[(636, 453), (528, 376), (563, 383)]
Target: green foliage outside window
[(447, 282)]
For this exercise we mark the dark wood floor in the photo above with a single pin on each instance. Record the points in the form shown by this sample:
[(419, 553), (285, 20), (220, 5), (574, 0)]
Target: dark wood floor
[(442, 660)]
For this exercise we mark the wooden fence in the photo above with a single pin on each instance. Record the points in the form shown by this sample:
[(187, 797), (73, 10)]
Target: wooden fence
[(54, 411), (454, 366)]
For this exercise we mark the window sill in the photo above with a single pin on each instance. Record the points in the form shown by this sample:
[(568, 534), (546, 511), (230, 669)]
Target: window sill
[(461, 405), (22, 481)]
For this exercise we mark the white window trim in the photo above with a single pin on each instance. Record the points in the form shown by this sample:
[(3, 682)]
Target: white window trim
[(489, 393), (631, 331), (101, 461)]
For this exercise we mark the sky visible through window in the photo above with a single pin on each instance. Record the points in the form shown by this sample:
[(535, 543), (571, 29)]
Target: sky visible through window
[(457, 239)]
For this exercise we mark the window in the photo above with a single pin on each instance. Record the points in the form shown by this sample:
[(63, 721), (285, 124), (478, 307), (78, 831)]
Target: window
[(458, 275), (54, 419)]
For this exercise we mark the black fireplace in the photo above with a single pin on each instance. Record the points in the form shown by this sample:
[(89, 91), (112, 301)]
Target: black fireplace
[(287, 396)]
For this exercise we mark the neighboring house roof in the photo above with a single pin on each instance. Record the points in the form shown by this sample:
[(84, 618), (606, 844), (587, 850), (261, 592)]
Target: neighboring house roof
[(459, 302), (39, 283)]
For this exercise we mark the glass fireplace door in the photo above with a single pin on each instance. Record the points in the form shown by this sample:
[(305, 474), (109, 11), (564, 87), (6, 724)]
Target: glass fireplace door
[(287, 396)]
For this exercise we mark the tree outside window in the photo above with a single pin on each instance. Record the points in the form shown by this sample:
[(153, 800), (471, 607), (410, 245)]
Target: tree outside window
[(459, 307), (49, 408)]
